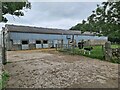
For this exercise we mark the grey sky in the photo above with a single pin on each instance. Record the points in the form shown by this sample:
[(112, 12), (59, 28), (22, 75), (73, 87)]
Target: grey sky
[(54, 15)]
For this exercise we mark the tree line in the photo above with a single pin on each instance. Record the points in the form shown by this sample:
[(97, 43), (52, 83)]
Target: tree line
[(105, 20)]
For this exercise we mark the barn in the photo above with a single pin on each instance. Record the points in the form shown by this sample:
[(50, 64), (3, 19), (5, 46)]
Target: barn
[(18, 37)]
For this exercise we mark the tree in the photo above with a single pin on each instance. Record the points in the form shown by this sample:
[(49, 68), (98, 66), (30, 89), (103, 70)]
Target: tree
[(105, 20), (14, 8)]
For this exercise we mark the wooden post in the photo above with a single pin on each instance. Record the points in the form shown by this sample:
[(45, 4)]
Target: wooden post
[(56, 46), (103, 51), (68, 45), (4, 60), (62, 43), (73, 46)]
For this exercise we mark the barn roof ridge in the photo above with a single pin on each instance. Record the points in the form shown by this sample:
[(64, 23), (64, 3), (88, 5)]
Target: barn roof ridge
[(40, 30)]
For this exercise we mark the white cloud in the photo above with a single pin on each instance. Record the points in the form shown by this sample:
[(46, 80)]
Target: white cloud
[(58, 15)]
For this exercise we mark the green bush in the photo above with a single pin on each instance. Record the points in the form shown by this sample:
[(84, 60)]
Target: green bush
[(115, 61), (5, 76)]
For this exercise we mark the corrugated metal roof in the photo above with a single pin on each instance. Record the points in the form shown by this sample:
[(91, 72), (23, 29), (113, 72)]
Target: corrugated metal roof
[(40, 30)]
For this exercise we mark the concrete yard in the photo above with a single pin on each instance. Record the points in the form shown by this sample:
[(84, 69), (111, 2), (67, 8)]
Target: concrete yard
[(51, 69)]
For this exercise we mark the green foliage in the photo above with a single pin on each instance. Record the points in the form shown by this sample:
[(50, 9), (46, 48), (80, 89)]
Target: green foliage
[(105, 20), (115, 61), (9, 62), (14, 8), (96, 53), (5, 76), (115, 46)]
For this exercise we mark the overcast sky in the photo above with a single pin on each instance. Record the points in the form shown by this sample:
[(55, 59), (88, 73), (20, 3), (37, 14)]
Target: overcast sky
[(54, 15)]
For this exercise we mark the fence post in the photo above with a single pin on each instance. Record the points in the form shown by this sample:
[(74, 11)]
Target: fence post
[(62, 44), (73, 46), (56, 46), (4, 61), (108, 51), (103, 50)]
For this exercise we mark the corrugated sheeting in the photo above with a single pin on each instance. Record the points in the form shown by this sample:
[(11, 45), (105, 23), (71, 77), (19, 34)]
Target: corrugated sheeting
[(32, 37), (40, 30)]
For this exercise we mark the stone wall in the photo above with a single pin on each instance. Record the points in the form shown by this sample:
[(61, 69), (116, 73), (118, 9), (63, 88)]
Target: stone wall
[(111, 54)]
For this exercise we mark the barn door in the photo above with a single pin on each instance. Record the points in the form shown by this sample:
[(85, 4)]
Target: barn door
[(25, 44), (45, 44), (38, 44)]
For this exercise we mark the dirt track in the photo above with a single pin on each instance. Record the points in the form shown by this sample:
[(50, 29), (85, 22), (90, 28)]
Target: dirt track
[(41, 69)]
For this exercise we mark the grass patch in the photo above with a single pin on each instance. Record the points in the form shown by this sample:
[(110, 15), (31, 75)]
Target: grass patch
[(115, 46), (95, 53), (5, 76), (9, 62)]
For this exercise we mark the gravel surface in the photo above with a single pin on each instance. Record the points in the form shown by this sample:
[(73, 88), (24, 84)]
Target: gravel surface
[(51, 69)]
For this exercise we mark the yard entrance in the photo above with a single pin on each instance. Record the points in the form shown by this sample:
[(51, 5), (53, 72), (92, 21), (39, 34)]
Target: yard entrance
[(48, 68)]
